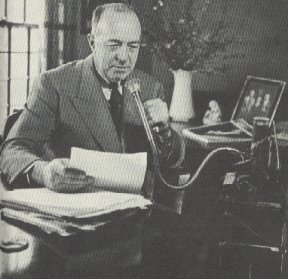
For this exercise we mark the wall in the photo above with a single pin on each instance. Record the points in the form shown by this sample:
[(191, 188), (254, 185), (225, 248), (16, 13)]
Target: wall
[(261, 26), (81, 47)]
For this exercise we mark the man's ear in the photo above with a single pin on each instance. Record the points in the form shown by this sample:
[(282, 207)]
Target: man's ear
[(91, 41)]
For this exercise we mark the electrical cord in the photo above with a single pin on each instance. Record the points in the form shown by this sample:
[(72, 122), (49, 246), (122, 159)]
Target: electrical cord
[(133, 86), (198, 172)]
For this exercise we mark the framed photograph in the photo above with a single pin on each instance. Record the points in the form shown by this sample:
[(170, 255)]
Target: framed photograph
[(88, 7), (259, 97)]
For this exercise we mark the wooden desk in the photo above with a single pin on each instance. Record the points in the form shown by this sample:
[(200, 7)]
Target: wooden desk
[(137, 247), (258, 228), (252, 226), (155, 245), (150, 245)]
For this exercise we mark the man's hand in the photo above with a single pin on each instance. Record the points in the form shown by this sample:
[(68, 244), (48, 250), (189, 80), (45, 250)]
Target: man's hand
[(59, 177), (157, 112)]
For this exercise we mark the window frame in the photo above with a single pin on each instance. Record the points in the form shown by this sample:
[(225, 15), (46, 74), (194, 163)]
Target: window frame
[(4, 23)]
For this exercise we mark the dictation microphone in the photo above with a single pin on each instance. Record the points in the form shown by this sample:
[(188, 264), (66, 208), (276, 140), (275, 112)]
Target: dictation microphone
[(133, 87)]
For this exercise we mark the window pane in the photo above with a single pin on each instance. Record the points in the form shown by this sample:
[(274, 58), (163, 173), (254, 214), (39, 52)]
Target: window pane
[(60, 41), (3, 115), (18, 94), (19, 65), (3, 103), (19, 39), (35, 40), (3, 92), (4, 66), (31, 80), (71, 9), (4, 39), (60, 61), (34, 65), (15, 10), (15, 108), (35, 11), (43, 61), (2, 9), (69, 35), (61, 12)]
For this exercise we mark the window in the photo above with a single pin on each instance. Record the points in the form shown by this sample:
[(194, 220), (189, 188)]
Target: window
[(36, 35), (19, 51)]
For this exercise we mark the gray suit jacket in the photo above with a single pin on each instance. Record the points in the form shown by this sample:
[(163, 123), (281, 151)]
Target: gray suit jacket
[(67, 108)]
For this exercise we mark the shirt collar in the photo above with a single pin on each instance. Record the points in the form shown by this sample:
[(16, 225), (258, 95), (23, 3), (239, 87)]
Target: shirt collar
[(105, 84), (107, 91)]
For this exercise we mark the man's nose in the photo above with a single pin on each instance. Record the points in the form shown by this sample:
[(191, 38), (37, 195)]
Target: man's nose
[(123, 54)]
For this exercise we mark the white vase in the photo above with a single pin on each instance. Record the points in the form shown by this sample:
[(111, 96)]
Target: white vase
[(182, 106)]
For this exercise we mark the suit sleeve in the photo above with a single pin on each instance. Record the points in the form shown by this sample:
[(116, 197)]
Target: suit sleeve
[(172, 151), (28, 137)]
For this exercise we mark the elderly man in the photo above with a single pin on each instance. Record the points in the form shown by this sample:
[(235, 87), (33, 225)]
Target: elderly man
[(85, 104)]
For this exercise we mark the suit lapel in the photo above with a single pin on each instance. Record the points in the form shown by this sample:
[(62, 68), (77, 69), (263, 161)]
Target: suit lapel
[(92, 106)]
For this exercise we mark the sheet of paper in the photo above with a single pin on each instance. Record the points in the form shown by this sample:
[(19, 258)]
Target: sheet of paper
[(112, 171), (79, 205)]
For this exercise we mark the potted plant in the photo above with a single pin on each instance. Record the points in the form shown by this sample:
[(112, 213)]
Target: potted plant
[(189, 37)]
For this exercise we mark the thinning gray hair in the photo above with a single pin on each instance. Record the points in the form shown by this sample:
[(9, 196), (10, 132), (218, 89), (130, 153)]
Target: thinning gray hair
[(116, 7)]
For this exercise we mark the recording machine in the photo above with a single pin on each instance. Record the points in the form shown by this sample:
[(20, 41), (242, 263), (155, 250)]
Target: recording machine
[(253, 189), (260, 165)]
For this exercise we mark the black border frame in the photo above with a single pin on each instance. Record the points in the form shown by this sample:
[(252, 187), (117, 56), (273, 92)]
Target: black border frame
[(249, 79)]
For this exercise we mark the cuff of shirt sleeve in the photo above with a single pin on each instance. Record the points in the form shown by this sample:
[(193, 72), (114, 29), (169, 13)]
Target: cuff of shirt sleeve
[(27, 173)]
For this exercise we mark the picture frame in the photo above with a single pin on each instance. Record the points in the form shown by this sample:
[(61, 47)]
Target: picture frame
[(259, 97), (87, 9)]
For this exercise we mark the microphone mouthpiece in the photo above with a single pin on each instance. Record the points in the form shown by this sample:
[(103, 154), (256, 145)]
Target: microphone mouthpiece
[(133, 85)]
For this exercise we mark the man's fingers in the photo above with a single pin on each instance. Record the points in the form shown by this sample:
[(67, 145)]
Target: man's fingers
[(57, 166), (62, 167), (156, 117), (65, 162), (156, 111), (150, 103), (87, 181), (68, 184), (74, 172), (69, 188), (74, 179), (60, 177)]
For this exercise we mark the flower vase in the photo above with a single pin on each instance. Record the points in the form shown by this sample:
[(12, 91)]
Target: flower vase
[(182, 106)]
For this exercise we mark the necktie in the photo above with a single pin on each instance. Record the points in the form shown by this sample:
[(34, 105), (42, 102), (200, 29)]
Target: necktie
[(116, 107)]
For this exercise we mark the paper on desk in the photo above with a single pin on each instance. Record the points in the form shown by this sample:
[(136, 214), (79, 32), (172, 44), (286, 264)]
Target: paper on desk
[(112, 171), (81, 205)]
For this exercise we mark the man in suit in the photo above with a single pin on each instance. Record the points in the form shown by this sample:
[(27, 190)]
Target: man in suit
[(73, 105)]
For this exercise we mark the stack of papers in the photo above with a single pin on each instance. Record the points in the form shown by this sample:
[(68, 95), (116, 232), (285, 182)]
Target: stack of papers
[(68, 213)]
